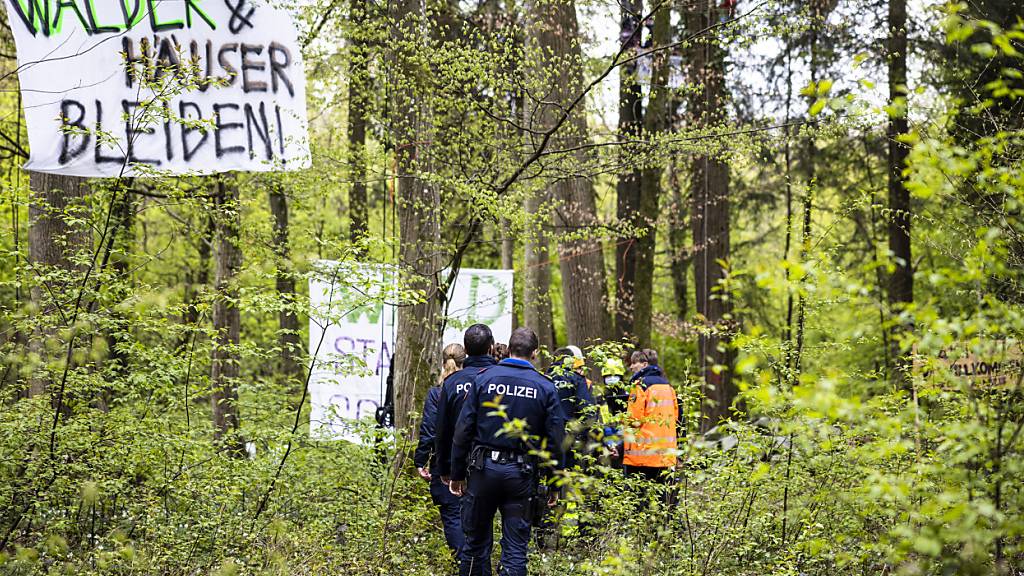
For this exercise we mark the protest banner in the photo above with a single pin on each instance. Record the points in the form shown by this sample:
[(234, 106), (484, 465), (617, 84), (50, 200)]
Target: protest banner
[(145, 87), (353, 351)]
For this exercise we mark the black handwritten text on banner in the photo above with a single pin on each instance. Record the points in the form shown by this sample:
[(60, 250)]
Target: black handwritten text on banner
[(96, 78)]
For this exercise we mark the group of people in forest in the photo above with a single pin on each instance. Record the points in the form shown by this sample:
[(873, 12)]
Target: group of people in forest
[(496, 432)]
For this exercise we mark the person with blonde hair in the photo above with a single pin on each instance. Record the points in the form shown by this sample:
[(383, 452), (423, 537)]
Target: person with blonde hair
[(452, 358), (425, 456)]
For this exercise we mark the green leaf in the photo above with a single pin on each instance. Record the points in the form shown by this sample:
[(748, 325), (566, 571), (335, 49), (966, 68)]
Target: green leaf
[(984, 49), (817, 107)]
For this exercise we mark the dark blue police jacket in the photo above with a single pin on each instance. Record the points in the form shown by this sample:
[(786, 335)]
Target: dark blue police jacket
[(527, 395), (452, 395), (425, 453), (573, 392), (649, 376)]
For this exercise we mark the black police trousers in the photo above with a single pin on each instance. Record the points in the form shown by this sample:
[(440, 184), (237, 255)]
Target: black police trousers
[(497, 487)]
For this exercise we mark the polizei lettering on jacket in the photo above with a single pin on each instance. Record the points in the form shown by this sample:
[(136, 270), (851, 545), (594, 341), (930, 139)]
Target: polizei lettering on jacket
[(512, 390)]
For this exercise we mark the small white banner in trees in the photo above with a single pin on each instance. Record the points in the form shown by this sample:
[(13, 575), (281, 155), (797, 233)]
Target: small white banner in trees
[(352, 336), (139, 87)]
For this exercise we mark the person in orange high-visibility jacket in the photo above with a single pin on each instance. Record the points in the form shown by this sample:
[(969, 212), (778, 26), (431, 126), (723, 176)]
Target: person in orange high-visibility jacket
[(650, 437)]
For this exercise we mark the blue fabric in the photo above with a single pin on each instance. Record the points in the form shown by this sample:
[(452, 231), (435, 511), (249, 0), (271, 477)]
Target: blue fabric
[(517, 362), (497, 487), (449, 405), (576, 398), (526, 395), (573, 392), (450, 506), (649, 376), (425, 453)]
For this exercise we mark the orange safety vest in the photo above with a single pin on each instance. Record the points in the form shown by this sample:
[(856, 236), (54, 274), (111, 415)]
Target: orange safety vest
[(653, 411)]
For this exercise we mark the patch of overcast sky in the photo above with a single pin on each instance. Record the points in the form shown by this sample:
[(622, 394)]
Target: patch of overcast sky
[(862, 74)]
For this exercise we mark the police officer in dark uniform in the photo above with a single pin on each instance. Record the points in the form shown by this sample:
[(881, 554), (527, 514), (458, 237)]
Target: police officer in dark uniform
[(576, 398), (503, 468), (478, 341), (425, 457)]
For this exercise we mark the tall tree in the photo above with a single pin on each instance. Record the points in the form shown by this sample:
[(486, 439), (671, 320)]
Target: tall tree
[(508, 247), (709, 192), (225, 363), (901, 283), (287, 320), (818, 14), (680, 251), (358, 101), (57, 234), (537, 275), (656, 122), (197, 279), (628, 187), (973, 75), (418, 338), (119, 245), (553, 46)]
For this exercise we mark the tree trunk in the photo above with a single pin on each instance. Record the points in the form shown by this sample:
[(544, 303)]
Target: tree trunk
[(537, 276), (358, 99), (288, 321), (677, 240), (710, 219), (120, 244), (811, 169), (197, 280), (628, 188), (508, 247), (418, 341), (553, 44), (56, 235), (655, 123), (901, 283), (224, 365), (787, 154)]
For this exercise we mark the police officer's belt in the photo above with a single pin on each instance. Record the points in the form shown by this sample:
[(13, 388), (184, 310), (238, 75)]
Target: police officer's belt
[(504, 456)]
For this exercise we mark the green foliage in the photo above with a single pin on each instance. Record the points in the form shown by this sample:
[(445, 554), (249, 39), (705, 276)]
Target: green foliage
[(874, 458)]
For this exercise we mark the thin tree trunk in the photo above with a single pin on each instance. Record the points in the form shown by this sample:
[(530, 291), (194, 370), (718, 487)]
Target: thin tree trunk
[(120, 246), (224, 365), (787, 336), (508, 251), (681, 258), (358, 99), (553, 44), (288, 321), (901, 283), (508, 247), (810, 167), (56, 235), (537, 276), (418, 345), (655, 123), (628, 187), (710, 220), (197, 280)]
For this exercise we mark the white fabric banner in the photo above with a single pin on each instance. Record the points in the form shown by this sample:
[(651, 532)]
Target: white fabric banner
[(353, 350), (147, 87)]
